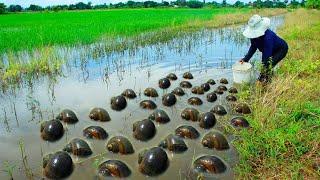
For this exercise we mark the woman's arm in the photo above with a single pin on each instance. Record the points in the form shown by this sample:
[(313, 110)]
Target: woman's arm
[(250, 53)]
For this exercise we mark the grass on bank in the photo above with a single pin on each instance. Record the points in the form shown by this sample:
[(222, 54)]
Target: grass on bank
[(283, 142)]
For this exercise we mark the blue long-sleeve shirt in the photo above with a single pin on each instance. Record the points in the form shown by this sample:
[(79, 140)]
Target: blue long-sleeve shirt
[(268, 44)]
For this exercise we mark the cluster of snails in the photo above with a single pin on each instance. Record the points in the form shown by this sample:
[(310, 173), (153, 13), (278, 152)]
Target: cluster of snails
[(152, 161)]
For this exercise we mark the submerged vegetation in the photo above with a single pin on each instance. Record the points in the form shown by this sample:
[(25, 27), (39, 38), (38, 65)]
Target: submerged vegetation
[(283, 142)]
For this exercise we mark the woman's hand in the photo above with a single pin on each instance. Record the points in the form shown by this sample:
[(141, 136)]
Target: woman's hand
[(241, 61)]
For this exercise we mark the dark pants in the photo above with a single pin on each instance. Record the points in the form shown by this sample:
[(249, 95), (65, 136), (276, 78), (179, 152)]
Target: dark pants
[(274, 60)]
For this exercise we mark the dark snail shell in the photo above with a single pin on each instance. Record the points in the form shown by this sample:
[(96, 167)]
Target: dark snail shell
[(95, 132), (239, 122), (78, 147), (151, 92), (243, 108), (211, 97), (231, 98), (209, 164), (67, 116), (153, 161), (187, 75), (185, 84), (215, 140), (169, 99), (178, 91), (120, 144), (222, 88), (190, 114), (197, 90), (172, 76), (207, 120), (205, 87), (195, 101), (99, 114), (220, 110), (129, 93), (114, 168), (173, 143), (164, 83), (218, 91), (159, 116), (148, 104), (186, 131), (144, 130), (118, 103), (223, 81), (58, 165), (233, 90), (51, 130), (211, 82)]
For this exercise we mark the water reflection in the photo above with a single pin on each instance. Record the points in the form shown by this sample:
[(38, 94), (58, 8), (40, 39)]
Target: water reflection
[(91, 76)]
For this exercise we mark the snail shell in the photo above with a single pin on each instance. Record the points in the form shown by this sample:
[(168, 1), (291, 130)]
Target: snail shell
[(164, 83), (148, 104), (95, 132), (190, 114), (169, 99), (223, 81), (222, 88), (186, 131), (151, 92), (209, 164), (78, 147), (58, 165), (195, 101), (159, 116), (233, 90), (114, 168), (178, 91), (205, 86), (120, 144), (174, 143), (220, 110), (215, 140), (51, 130), (239, 122), (243, 108), (187, 75), (144, 130), (211, 82), (153, 161), (99, 114), (67, 116), (118, 103), (231, 98), (172, 76), (197, 90), (207, 120), (211, 97), (129, 93), (218, 91), (185, 84)]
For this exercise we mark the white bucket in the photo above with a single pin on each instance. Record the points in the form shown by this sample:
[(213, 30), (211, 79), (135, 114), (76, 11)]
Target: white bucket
[(242, 73)]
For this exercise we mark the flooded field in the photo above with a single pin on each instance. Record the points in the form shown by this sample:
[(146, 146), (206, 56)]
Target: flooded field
[(88, 82)]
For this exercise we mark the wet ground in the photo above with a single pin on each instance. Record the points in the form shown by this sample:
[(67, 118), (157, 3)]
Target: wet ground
[(88, 83)]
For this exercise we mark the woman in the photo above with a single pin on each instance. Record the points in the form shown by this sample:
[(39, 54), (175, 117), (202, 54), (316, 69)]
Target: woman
[(273, 48)]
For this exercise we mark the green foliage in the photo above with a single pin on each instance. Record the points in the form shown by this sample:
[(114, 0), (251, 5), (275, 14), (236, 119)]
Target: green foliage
[(313, 4), (15, 8), (194, 4), (2, 8)]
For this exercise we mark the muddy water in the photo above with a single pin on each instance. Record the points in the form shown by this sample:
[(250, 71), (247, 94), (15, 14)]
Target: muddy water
[(88, 83)]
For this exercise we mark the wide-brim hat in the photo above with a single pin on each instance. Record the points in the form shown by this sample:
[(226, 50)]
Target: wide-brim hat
[(256, 27)]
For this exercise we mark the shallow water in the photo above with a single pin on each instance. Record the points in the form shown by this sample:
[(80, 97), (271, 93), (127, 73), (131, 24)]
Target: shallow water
[(88, 83)]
